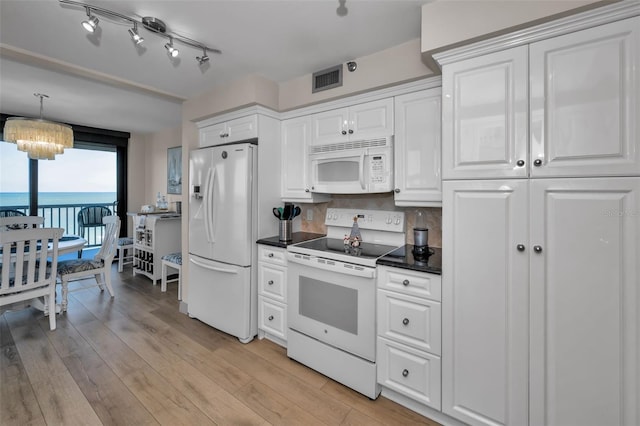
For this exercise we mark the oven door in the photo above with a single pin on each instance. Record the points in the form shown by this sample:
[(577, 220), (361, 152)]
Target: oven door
[(333, 302)]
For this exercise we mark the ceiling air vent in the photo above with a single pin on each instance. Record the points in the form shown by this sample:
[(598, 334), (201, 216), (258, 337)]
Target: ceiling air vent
[(327, 79)]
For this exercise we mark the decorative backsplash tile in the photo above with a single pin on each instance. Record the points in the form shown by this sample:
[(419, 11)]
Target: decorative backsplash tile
[(374, 202)]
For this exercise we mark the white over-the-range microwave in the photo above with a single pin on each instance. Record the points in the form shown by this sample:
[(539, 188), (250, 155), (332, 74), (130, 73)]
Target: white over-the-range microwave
[(356, 167)]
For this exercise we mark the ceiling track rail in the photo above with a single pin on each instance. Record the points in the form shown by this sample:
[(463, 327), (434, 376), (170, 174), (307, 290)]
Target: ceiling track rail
[(152, 25)]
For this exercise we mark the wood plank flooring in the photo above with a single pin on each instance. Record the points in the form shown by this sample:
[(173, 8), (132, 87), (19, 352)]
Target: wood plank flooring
[(135, 360)]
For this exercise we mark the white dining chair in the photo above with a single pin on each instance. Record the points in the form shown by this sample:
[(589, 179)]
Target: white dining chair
[(98, 267), (24, 269), (10, 223)]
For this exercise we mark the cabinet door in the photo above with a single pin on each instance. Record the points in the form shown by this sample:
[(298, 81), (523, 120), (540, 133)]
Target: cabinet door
[(296, 134), (296, 137), (485, 343), (485, 116), (371, 120), (584, 301), (410, 372), (417, 149), (330, 126), (242, 128), (213, 135), (272, 281), (585, 102)]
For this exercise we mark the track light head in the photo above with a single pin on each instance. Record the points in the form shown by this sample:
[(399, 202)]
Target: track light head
[(135, 36), (91, 23), (204, 58), (173, 52)]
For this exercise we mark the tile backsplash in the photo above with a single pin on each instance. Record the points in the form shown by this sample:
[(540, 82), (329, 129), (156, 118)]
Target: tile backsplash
[(374, 202)]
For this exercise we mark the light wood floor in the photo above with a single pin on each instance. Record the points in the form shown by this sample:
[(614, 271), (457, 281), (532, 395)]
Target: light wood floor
[(135, 360)]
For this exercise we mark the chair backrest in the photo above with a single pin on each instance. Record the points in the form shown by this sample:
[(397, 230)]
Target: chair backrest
[(20, 222), (11, 213), (92, 215), (109, 239), (24, 261)]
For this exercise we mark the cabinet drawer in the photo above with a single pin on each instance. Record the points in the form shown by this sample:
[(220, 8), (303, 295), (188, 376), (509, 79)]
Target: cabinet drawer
[(272, 281), (272, 317), (273, 255), (413, 373), (418, 284), (410, 320)]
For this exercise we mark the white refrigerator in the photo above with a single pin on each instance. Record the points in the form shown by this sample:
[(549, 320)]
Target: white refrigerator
[(222, 232)]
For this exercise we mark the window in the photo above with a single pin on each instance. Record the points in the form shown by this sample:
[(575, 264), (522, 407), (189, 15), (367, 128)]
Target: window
[(97, 165)]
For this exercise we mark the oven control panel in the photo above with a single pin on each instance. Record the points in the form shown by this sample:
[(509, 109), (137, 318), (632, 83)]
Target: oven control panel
[(380, 220)]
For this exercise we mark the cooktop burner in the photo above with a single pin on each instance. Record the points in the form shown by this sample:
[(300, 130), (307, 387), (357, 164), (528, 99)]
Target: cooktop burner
[(335, 246)]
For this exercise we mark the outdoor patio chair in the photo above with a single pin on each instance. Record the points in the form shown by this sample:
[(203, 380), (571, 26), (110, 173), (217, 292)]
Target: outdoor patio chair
[(91, 217), (24, 272), (98, 267)]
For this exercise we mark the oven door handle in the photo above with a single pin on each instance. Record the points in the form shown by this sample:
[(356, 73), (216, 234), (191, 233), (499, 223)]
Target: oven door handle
[(335, 266)]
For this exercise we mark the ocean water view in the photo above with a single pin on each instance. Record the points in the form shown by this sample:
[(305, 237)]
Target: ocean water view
[(56, 198)]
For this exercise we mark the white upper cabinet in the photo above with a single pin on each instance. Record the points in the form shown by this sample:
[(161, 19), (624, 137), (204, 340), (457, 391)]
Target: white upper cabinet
[(296, 137), (417, 144), (585, 102), (578, 117), (484, 116), (238, 129), (585, 301), (364, 121)]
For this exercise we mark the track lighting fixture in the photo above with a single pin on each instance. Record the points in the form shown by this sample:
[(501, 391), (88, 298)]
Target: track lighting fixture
[(135, 36), (91, 23), (151, 24), (204, 58), (173, 52)]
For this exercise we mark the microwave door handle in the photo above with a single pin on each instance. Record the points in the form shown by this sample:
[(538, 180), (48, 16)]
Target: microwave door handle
[(362, 170)]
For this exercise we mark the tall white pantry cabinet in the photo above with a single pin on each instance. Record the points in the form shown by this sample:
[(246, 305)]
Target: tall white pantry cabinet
[(541, 225)]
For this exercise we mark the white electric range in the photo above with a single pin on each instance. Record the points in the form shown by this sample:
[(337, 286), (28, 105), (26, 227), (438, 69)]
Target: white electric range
[(332, 295)]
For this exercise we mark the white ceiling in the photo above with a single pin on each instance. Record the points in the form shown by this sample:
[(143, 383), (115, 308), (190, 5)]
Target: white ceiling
[(104, 81)]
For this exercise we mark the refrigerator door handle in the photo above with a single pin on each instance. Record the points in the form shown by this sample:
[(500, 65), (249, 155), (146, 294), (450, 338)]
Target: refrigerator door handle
[(208, 206), (212, 268)]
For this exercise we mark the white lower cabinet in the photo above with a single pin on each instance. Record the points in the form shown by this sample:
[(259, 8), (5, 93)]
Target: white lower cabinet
[(409, 339), (485, 301), (411, 372), (272, 294), (540, 319)]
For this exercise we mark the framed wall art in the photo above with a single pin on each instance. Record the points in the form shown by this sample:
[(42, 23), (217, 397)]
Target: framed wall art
[(174, 170)]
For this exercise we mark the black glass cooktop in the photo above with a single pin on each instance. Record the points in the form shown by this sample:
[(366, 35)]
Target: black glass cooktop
[(333, 245)]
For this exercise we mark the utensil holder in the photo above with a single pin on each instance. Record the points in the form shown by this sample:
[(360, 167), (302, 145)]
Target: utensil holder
[(285, 230)]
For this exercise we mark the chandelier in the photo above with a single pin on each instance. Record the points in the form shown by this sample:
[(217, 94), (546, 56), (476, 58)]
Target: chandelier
[(152, 25), (40, 139)]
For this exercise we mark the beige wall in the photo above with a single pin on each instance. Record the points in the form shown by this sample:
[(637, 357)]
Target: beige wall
[(447, 23), (395, 65), (246, 91), (136, 174)]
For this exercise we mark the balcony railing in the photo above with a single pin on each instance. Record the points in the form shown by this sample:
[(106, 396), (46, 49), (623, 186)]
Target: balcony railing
[(66, 216)]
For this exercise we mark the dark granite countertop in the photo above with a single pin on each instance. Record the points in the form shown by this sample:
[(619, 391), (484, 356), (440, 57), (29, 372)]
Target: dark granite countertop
[(403, 257), (296, 237)]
